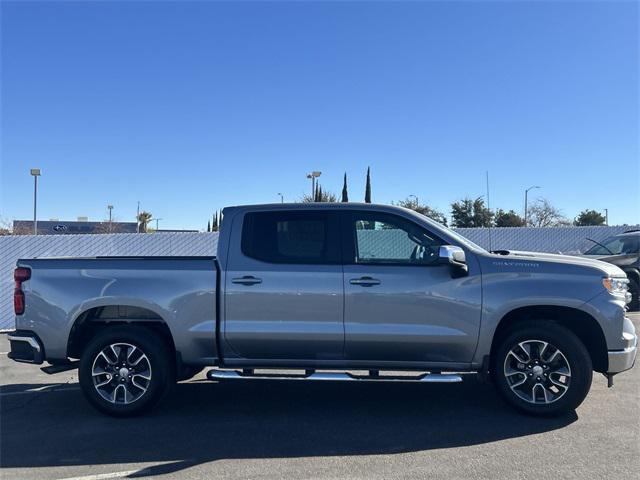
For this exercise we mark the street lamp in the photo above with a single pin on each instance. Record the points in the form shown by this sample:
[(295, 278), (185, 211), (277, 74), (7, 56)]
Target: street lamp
[(417, 202), (313, 175), (157, 221), (281, 198), (110, 207), (36, 173), (526, 193)]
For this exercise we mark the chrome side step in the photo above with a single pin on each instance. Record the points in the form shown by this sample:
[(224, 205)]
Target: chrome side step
[(215, 374)]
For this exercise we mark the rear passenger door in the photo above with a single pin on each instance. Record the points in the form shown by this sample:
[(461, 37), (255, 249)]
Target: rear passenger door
[(284, 286)]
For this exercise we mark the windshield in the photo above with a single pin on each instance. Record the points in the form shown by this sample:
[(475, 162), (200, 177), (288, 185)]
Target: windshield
[(622, 245), (464, 240)]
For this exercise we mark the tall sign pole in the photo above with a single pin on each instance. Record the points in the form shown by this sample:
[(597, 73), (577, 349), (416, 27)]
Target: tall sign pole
[(36, 173)]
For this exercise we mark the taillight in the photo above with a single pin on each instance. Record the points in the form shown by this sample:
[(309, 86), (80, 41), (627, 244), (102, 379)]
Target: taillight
[(20, 274)]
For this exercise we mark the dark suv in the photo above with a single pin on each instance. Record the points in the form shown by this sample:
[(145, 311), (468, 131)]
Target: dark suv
[(622, 250)]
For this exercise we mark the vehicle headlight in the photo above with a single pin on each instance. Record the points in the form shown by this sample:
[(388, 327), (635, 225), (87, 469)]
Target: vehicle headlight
[(618, 286)]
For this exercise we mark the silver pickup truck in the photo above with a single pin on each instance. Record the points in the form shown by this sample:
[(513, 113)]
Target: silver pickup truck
[(347, 291)]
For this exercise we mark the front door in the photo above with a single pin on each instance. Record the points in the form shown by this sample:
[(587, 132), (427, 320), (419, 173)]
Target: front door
[(401, 305), (283, 287)]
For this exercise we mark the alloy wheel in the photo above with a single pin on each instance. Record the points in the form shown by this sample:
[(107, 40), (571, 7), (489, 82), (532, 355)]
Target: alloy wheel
[(121, 373), (537, 372)]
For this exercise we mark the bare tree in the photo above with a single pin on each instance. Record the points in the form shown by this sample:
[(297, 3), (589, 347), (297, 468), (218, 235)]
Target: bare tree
[(9, 228), (107, 227), (5, 227), (543, 214)]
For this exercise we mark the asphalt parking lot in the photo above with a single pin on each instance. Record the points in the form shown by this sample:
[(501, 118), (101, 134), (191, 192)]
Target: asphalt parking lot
[(270, 429)]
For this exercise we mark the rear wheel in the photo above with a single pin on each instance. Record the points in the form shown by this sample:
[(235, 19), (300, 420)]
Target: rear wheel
[(126, 370), (542, 368)]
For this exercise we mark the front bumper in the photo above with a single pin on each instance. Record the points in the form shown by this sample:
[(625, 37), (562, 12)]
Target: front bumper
[(25, 347), (621, 360)]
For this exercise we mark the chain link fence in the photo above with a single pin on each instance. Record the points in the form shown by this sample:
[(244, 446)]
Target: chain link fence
[(567, 240)]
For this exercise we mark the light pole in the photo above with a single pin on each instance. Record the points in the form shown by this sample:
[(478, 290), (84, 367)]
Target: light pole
[(157, 221), (110, 207), (526, 193), (313, 175), (281, 198), (36, 173), (417, 202), (606, 217)]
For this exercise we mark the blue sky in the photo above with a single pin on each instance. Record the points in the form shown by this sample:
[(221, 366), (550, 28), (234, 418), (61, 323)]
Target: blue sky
[(188, 107)]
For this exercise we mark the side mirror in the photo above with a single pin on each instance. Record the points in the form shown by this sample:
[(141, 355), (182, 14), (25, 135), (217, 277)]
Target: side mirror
[(455, 257)]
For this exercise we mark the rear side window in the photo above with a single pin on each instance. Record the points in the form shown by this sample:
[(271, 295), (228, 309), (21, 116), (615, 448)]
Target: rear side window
[(291, 237)]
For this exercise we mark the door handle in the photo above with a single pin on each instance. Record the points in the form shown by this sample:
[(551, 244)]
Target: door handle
[(246, 280), (364, 281)]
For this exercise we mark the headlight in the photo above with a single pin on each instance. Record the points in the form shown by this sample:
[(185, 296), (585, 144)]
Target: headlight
[(616, 285)]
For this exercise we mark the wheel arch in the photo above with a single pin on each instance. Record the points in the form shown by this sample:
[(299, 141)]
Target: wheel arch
[(633, 273), (92, 320), (583, 325)]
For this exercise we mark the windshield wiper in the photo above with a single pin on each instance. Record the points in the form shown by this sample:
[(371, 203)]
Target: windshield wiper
[(603, 246)]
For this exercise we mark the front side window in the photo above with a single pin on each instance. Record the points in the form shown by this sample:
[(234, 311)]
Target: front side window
[(390, 240), (290, 237)]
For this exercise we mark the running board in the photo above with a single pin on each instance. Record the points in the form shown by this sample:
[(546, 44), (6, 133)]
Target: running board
[(215, 374)]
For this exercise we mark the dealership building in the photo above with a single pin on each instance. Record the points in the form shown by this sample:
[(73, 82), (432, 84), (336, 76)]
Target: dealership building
[(81, 225)]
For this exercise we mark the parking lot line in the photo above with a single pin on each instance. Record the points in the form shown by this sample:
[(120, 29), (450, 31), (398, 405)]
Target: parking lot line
[(46, 388), (102, 476)]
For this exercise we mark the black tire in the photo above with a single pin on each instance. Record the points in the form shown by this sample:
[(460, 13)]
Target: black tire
[(187, 372), (634, 289), (506, 369), (158, 364)]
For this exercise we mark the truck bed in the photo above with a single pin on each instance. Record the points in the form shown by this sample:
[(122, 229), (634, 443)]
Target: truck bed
[(180, 292)]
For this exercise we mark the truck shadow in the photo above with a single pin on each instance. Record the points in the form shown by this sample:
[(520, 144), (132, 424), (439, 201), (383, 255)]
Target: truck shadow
[(203, 422)]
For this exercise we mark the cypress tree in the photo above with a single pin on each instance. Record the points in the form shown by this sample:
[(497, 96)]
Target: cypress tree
[(367, 190), (345, 195), (208, 226)]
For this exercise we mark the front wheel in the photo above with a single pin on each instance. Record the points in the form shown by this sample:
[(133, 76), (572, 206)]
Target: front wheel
[(126, 370), (542, 368)]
